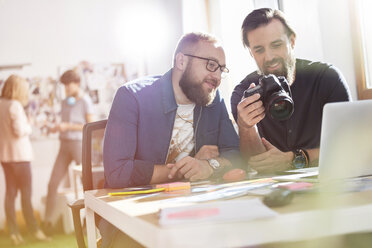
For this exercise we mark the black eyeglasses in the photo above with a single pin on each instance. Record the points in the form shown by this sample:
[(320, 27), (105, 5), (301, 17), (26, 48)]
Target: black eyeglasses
[(211, 65)]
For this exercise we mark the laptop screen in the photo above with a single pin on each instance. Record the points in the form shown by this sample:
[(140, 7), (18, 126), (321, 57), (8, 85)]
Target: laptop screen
[(346, 140)]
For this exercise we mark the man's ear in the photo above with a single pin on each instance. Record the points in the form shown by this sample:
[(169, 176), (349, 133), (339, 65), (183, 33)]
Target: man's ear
[(181, 61), (292, 40)]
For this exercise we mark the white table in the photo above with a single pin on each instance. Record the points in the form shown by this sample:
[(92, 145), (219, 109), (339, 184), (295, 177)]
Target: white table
[(303, 219)]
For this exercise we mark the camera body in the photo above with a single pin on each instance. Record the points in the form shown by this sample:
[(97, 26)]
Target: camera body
[(276, 96)]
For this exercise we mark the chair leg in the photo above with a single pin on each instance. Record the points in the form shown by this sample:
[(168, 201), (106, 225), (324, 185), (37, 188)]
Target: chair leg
[(75, 208)]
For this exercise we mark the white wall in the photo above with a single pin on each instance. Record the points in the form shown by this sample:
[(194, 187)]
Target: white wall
[(52, 33), (324, 34)]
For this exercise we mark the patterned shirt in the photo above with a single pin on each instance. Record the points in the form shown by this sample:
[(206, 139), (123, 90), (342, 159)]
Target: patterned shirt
[(182, 142)]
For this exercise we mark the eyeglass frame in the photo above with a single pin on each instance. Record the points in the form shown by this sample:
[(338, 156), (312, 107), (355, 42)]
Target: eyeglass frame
[(223, 69)]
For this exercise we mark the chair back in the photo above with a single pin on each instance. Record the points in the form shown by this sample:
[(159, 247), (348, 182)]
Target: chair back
[(93, 133), (92, 155)]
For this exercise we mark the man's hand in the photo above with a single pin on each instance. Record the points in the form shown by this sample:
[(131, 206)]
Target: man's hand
[(207, 152), (178, 175), (191, 168), (60, 127), (250, 111), (272, 160)]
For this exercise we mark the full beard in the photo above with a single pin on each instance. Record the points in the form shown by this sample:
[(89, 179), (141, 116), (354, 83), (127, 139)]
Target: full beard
[(287, 70), (194, 91)]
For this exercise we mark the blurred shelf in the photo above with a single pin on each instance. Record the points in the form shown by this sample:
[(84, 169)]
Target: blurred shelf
[(13, 67)]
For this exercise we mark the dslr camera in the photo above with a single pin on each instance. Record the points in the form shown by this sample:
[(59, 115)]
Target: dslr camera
[(275, 95)]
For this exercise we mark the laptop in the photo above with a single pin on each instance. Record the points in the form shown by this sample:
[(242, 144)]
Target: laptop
[(346, 140), (345, 144)]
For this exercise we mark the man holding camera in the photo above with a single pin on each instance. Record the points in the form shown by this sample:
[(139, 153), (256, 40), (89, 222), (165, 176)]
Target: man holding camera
[(269, 143)]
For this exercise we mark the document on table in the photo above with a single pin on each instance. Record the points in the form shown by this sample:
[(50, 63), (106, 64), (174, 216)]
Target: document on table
[(305, 170), (222, 211), (224, 193), (305, 176)]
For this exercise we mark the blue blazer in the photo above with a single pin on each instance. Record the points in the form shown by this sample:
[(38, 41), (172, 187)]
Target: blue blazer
[(140, 125)]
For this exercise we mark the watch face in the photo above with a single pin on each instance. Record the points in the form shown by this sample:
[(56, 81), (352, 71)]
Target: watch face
[(214, 163), (299, 160)]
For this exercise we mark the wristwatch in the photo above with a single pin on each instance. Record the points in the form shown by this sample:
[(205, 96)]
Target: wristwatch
[(300, 159), (214, 164)]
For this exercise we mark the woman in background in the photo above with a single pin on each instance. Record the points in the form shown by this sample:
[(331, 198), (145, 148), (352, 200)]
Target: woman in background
[(15, 156)]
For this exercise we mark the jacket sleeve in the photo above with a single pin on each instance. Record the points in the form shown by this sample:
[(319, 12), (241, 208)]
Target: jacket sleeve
[(228, 139), (19, 122), (120, 142)]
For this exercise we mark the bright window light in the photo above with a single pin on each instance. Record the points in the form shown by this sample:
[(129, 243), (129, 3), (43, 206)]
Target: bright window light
[(144, 32)]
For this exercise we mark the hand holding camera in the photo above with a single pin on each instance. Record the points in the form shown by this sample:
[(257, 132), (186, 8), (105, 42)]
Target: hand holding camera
[(250, 110), (275, 95)]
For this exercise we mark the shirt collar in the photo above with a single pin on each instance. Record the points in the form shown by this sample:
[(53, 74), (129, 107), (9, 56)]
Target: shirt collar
[(168, 99)]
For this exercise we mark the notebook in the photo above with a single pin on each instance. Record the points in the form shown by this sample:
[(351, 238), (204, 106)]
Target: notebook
[(346, 140)]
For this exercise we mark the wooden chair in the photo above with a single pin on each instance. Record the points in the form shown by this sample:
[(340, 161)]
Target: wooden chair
[(92, 146)]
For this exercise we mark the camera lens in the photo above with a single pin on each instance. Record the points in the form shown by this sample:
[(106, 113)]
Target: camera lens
[(281, 108)]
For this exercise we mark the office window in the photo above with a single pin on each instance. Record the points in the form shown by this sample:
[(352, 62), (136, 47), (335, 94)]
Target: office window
[(361, 21), (224, 19)]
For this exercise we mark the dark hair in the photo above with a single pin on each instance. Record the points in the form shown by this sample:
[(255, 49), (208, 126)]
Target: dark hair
[(263, 16), (69, 77), (189, 40)]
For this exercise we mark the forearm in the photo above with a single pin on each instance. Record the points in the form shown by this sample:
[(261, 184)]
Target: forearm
[(122, 173), (250, 142), (313, 156), (74, 126)]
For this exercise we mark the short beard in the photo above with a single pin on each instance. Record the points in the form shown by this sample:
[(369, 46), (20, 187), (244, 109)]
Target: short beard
[(194, 90), (287, 70)]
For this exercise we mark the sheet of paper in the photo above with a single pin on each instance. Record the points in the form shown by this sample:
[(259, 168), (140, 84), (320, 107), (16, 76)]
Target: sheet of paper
[(221, 211), (240, 189), (305, 170), (297, 177)]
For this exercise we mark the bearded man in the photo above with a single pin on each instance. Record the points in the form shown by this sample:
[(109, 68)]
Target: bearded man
[(170, 127), (175, 126), (271, 145)]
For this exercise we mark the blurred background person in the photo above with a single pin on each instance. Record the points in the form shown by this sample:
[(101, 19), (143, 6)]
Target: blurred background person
[(76, 110), (16, 155)]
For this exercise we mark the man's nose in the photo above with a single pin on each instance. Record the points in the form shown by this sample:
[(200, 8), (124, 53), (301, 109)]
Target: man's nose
[(217, 74), (269, 55)]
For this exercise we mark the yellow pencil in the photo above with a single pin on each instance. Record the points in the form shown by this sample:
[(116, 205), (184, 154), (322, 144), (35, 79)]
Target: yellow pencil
[(136, 192), (175, 186)]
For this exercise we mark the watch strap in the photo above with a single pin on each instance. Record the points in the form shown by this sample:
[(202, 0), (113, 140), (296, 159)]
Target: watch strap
[(307, 157)]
